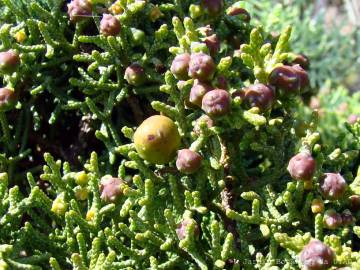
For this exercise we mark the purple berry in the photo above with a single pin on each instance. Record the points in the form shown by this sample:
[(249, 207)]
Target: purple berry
[(302, 167), (213, 7), (135, 74), (198, 91), (9, 61), (259, 95), (181, 229), (301, 60), (180, 66), (332, 186), (303, 77), (213, 44), (347, 218), (216, 102), (317, 256), (204, 118), (332, 219), (286, 78), (79, 9), (110, 188), (236, 11), (188, 161), (355, 202), (7, 99), (201, 67), (109, 25)]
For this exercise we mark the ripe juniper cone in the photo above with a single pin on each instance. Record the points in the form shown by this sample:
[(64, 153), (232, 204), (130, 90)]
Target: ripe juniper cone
[(213, 44), (303, 77), (182, 227), (301, 60), (286, 78), (110, 188), (332, 186), (317, 256), (302, 166), (188, 161), (7, 99), (216, 102), (317, 206), (332, 219), (355, 203), (180, 66), (135, 74), (203, 119), (347, 218), (201, 67), (237, 11), (9, 61), (109, 25), (213, 7), (198, 91), (157, 139), (79, 10), (259, 95)]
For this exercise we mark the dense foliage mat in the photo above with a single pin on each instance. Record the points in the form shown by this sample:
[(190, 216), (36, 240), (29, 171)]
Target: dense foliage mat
[(167, 135)]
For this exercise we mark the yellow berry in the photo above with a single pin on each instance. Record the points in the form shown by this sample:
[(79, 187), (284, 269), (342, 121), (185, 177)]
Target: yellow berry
[(317, 206), (157, 139), (20, 36), (90, 215), (59, 206), (81, 178)]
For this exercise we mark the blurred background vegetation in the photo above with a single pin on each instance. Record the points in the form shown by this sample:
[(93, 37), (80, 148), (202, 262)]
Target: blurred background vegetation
[(328, 33)]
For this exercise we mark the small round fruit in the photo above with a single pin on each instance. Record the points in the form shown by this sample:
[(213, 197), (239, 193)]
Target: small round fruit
[(79, 10), (181, 229), (317, 256), (303, 77), (332, 219), (109, 25), (301, 60), (203, 119), (157, 139), (237, 11), (198, 91), (188, 161), (302, 166), (259, 95), (110, 188), (9, 61), (347, 218), (355, 203), (286, 78), (213, 44), (201, 67), (213, 7), (135, 74), (216, 102), (332, 186), (317, 206), (7, 99), (180, 66)]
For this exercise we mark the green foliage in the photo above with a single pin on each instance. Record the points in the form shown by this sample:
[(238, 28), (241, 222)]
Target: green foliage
[(333, 54), (240, 210)]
